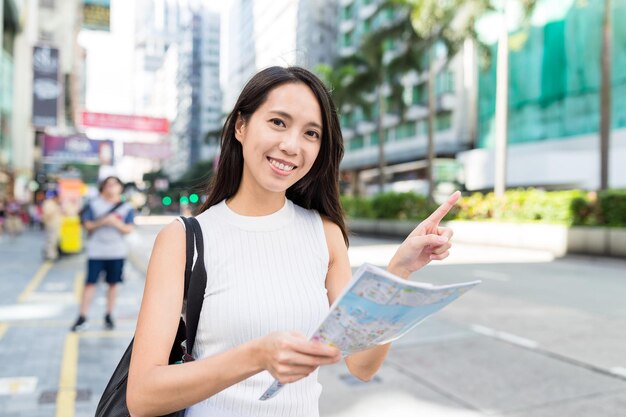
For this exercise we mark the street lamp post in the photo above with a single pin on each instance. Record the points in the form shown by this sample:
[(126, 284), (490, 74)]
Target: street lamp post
[(502, 103), (605, 96)]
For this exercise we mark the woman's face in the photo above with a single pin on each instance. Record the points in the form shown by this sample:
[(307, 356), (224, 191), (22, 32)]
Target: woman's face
[(281, 139)]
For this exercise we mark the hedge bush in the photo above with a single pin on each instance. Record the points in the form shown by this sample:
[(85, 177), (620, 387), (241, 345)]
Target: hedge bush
[(612, 208), (401, 206), (357, 207), (572, 207)]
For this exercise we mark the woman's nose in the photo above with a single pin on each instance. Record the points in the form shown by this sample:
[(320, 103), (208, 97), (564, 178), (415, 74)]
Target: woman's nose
[(290, 143)]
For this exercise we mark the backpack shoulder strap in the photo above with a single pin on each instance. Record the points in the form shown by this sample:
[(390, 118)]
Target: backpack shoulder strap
[(197, 287), (189, 249)]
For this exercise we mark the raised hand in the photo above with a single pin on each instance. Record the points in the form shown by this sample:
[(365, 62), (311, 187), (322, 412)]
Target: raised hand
[(289, 356), (428, 241)]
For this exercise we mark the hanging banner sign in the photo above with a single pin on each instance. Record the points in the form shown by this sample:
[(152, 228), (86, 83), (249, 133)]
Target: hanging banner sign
[(46, 86)]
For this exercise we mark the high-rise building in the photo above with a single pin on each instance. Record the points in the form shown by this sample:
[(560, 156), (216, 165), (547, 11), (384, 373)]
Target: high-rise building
[(281, 32), (405, 139), (207, 94), (178, 44)]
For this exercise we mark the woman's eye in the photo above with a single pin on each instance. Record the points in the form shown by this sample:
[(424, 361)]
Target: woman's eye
[(313, 134), (277, 122)]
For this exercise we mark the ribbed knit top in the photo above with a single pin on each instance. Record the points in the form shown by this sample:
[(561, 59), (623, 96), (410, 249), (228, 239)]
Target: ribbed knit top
[(264, 274)]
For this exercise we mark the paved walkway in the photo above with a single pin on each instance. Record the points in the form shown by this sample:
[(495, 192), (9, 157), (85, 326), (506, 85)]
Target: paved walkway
[(46, 369)]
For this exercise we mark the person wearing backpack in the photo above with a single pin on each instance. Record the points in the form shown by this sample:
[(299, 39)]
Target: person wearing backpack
[(107, 219)]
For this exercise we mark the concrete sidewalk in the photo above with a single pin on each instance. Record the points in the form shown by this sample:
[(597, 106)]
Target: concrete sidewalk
[(46, 369)]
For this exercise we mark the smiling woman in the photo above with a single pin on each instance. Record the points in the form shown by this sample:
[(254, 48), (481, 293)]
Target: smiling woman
[(276, 258)]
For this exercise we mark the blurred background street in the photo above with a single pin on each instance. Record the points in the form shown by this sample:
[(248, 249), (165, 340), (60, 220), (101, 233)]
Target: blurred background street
[(519, 104)]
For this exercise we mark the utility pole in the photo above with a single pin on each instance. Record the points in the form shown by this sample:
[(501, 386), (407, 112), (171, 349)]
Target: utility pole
[(502, 106), (605, 96), (431, 122)]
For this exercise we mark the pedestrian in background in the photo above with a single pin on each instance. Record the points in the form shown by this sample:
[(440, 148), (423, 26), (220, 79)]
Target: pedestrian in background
[(107, 219), (52, 217), (13, 223), (276, 258), (2, 216)]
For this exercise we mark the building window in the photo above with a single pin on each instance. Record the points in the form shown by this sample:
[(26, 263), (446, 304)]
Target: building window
[(406, 130), (356, 143), (346, 39), (375, 136), (367, 25), (444, 83), (420, 94), (347, 120), (443, 121), (347, 12)]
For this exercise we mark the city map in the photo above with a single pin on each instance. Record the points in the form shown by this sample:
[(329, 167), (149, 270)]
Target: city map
[(376, 308)]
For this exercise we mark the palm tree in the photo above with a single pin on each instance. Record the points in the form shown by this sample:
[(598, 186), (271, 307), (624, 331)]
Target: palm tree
[(451, 23), (363, 80), (426, 25)]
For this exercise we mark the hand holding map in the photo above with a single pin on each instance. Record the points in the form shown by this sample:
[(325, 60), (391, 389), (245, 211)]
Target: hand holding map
[(376, 308)]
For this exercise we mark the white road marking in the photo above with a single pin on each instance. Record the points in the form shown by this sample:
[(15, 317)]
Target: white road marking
[(504, 336), (490, 275), (19, 385)]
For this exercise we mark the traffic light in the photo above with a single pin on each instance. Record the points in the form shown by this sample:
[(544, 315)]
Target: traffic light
[(193, 198), (167, 200), (184, 200)]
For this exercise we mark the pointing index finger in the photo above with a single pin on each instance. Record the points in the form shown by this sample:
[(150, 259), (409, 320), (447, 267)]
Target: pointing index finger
[(443, 209)]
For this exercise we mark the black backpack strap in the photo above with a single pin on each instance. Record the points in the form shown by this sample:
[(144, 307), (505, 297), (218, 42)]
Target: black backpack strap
[(197, 287), (189, 245), (109, 211)]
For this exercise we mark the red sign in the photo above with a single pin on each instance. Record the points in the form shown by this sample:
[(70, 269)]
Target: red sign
[(124, 122)]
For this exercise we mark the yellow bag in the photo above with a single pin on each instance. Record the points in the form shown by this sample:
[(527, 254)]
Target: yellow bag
[(71, 235)]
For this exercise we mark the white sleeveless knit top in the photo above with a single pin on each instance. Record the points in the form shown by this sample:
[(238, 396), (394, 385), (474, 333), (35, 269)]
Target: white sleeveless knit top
[(264, 274)]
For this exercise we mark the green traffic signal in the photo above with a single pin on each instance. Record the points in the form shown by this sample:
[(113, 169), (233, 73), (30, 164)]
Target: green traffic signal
[(184, 200), (167, 200), (193, 198)]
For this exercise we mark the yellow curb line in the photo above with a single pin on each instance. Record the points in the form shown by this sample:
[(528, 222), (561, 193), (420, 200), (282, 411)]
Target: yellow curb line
[(66, 396), (34, 283)]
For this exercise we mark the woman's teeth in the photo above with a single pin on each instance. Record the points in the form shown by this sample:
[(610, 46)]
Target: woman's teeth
[(281, 166)]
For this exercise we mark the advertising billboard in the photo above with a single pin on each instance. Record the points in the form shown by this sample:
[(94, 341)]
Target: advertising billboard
[(76, 148), (97, 14), (47, 87)]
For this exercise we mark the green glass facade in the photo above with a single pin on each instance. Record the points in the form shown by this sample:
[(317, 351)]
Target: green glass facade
[(554, 78)]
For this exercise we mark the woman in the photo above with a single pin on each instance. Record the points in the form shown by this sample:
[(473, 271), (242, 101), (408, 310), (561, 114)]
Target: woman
[(276, 258)]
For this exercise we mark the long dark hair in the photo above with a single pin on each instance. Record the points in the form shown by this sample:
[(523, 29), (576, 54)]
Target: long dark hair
[(319, 188)]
